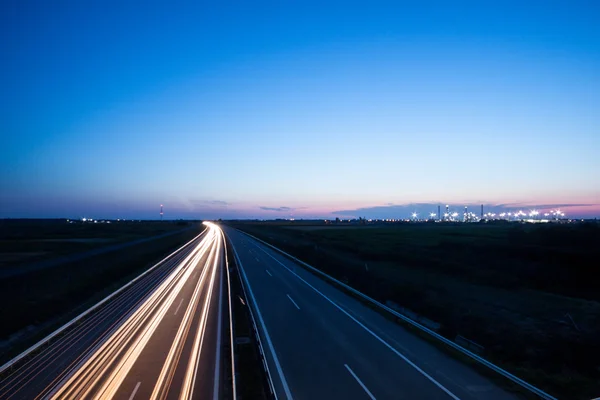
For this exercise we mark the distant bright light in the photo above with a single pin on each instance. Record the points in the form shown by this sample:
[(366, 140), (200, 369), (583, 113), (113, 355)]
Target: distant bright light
[(432, 215), (414, 215)]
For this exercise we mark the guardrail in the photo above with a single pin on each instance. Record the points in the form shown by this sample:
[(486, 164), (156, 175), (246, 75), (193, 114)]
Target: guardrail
[(89, 310), (433, 334)]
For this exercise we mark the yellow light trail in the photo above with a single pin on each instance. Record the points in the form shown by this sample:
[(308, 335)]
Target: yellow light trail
[(102, 373)]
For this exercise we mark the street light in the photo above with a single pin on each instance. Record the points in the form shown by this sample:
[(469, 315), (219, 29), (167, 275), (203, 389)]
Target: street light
[(533, 213)]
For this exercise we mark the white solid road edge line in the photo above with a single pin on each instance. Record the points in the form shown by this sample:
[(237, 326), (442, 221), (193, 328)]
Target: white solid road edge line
[(292, 300), (264, 328), (362, 385), (437, 336), (135, 390), (92, 308), (425, 374)]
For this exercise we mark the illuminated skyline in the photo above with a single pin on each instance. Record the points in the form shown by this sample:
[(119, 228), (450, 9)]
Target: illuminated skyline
[(272, 110)]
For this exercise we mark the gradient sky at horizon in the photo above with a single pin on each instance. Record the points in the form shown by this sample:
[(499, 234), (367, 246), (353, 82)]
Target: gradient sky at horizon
[(272, 109)]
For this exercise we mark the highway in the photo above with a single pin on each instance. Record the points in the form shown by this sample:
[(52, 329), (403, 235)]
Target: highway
[(320, 343), (158, 339)]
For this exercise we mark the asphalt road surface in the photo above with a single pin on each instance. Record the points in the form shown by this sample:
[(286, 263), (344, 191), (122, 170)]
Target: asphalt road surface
[(158, 339), (323, 344)]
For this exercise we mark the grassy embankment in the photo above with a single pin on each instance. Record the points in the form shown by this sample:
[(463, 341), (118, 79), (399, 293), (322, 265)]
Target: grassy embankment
[(527, 293), (36, 303)]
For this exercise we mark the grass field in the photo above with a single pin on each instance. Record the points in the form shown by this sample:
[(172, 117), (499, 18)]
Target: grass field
[(27, 241), (527, 293), (35, 303)]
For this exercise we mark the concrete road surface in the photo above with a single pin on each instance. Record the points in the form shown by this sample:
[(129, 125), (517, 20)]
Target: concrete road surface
[(323, 344)]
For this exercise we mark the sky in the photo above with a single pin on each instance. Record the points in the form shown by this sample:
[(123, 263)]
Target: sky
[(297, 109)]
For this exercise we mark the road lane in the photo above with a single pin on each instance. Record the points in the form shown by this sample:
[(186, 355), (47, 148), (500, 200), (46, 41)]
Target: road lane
[(30, 377), (328, 331), (107, 364), (159, 339), (162, 362)]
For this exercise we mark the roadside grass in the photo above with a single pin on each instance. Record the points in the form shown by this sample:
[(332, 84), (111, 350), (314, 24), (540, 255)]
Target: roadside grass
[(526, 293)]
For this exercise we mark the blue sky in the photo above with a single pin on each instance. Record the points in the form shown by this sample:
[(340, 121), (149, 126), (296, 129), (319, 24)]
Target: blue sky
[(293, 108)]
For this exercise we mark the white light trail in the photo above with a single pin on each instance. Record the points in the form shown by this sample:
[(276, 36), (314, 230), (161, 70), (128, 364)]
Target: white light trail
[(101, 374)]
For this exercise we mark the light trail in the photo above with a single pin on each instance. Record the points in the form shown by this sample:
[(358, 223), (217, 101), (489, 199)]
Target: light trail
[(168, 371), (71, 339), (125, 337), (101, 373), (190, 376)]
